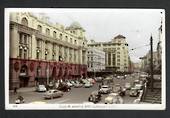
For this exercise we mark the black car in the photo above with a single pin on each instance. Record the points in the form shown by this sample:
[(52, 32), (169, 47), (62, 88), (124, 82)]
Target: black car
[(95, 97), (64, 87)]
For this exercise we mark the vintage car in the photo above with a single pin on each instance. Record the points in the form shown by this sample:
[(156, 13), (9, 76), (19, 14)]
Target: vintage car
[(63, 87), (113, 98), (134, 92), (120, 90), (88, 85), (105, 89), (41, 88), (53, 94), (94, 97), (127, 86)]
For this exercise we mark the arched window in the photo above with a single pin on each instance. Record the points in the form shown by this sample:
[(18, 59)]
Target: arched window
[(24, 21), (39, 28), (47, 31)]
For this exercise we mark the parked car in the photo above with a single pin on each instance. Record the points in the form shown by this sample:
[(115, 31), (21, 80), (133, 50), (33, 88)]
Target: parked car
[(77, 84), (127, 86), (53, 94), (105, 89), (134, 92), (113, 98), (41, 88), (63, 87), (69, 84), (94, 97), (88, 84)]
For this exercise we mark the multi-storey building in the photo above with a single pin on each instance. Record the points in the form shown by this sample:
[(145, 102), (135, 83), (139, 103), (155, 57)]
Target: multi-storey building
[(116, 53), (95, 60), (41, 51), (146, 61)]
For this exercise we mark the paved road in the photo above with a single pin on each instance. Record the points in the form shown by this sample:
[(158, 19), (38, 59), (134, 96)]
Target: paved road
[(76, 95)]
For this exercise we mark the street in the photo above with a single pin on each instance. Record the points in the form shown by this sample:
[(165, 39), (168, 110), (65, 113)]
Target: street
[(76, 95)]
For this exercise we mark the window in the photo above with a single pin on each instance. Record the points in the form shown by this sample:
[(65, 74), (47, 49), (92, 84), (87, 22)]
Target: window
[(25, 54), (118, 60), (75, 42), (25, 39), (118, 52), (47, 31), (91, 58), (20, 38), (54, 34), (20, 53), (118, 56), (118, 64), (109, 59), (39, 28), (24, 21), (38, 55), (118, 48)]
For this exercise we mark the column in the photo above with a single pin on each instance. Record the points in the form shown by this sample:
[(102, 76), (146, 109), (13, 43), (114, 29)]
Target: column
[(29, 47), (34, 47), (57, 53), (80, 57), (43, 50), (14, 42), (68, 54), (50, 49)]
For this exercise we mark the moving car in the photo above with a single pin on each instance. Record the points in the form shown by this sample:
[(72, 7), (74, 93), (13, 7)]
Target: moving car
[(77, 84), (53, 94), (41, 88), (94, 97), (69, 84), (113, 98), (133, 92), (64, 87), (105, 89), (120, 90)]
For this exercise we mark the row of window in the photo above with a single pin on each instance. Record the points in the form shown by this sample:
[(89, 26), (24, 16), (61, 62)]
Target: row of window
[(47, 31)]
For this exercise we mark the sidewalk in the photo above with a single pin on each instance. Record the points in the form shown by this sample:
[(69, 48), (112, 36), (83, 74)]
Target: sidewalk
[(22, 90)]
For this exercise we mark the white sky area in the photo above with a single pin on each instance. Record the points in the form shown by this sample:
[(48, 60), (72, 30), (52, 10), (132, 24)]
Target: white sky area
[(102, 25)]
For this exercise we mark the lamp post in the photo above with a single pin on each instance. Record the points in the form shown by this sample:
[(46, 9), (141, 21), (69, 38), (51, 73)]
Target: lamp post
[(151, 62)]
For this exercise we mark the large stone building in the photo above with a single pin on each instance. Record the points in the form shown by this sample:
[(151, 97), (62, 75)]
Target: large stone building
[(95, 60), (41, 51), (146, 61), (117, 55)]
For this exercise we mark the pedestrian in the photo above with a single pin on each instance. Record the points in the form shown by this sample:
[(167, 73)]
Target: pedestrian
[(99, 86), (15, 90)]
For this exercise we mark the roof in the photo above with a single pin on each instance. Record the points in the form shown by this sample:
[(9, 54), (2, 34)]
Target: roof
[(119, 36)]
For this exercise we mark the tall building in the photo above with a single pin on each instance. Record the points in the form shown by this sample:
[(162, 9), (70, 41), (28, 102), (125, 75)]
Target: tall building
[(95, 60), (116, 53), (41, 51), (159, 49), (146, 61)]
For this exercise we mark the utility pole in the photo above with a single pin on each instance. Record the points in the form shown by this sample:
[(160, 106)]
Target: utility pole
[(151, 62)]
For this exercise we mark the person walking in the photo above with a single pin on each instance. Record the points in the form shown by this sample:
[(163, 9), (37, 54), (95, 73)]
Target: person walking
[(15, 90)]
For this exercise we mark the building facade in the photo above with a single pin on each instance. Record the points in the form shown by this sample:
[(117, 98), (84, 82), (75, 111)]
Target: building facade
[(116, 53), (146, 61), (41, 51), (95, 60)]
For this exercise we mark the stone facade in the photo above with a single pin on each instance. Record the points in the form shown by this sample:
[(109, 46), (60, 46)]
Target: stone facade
[(95, 60), (40, 49), (116, 53)]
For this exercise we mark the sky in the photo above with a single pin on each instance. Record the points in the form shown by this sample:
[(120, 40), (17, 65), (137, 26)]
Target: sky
[(102, 25)]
